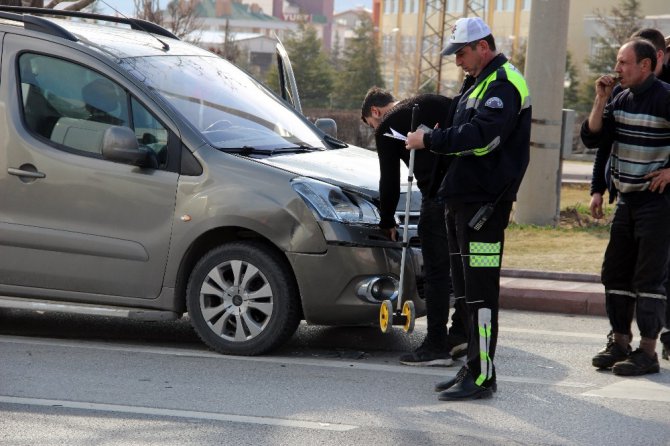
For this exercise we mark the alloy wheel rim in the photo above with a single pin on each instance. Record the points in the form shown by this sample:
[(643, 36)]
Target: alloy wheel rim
[(236, 301)]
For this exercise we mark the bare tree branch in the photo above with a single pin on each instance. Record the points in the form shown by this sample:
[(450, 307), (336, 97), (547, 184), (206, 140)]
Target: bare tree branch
[(180, 17)]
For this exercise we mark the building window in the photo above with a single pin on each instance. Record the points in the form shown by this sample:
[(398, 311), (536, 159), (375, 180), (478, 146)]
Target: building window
[(526, 5)]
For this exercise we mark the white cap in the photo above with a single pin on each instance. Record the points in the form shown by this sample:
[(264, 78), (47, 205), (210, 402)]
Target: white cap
[(466, 30)]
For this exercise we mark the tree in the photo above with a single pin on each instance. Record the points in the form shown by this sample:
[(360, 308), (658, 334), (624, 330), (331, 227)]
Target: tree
[(181, 17), (229, 51), (622, 21), (335, 52), (361, 67), (519, 57), (313, 73), (571, 88)]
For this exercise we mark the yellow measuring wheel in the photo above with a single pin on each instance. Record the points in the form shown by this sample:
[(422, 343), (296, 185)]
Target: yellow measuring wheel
[(409, 315), (386, 316)]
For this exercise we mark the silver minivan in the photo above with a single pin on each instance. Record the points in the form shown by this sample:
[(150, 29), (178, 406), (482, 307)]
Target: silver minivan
[(144, 177)]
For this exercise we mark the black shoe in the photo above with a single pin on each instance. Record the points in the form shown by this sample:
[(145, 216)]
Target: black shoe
[(444, 385), (457, 346), (427, 355), (637, 363), (466, 389), (610, 355), (665, 340)]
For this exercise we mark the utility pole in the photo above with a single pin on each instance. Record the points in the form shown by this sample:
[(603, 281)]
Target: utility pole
[(538, 199)]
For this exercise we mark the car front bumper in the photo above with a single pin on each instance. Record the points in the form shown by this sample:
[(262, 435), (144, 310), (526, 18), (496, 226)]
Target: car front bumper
[(330, 282)]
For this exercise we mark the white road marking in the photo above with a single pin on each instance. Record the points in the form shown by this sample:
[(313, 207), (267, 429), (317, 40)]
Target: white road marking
[(553, 333), (634, 389), (439, 372), (139, 410)]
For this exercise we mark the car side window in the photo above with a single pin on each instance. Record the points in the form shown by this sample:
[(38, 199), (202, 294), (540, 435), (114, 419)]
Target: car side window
[(150, 132), (69, 104), (72, 106)]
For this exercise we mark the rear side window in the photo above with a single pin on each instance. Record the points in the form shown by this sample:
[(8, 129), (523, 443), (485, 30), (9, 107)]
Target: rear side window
[(72, 106)]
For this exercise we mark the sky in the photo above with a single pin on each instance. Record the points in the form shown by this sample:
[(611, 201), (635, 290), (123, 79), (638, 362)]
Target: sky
[(127, 6)]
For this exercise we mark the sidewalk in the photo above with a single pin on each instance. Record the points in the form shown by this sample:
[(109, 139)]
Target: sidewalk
[(552, 292)]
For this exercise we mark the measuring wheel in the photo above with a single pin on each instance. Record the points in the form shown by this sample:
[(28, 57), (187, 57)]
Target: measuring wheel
[(386, 316), (409, 314)]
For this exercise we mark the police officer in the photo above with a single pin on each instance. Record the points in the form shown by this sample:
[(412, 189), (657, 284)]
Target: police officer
[(489, 142)]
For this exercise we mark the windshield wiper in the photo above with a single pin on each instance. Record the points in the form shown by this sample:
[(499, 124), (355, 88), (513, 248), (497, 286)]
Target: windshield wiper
[(297, 149), (249, 150)]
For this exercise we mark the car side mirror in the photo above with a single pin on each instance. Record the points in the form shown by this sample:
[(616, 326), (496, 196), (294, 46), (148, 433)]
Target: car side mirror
[(119, 144), (327, 126)]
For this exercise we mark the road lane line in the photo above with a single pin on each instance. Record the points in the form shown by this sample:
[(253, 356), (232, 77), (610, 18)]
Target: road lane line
[(634, 389), (552, 333), (152, 411), (439, 372)]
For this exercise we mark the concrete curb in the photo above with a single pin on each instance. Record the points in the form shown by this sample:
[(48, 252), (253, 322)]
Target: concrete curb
[(553, 292)]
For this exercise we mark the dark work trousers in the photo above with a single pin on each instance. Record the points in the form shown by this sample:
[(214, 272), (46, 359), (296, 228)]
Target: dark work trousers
[(437, 275), (476, 257), (665, 337), (635, 267)]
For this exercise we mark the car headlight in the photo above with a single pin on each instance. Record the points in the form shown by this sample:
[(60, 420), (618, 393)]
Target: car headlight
[(329, 202)]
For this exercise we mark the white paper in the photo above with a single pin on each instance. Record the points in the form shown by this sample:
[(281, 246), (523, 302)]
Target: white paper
[(396, 135)]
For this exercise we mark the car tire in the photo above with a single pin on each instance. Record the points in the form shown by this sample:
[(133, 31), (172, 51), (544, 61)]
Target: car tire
[(243, 299)]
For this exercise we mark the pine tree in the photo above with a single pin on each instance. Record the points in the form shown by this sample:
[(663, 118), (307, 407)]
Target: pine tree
[(361, 68), (519, 57), (313, 73), (571, 89), (622, 21)]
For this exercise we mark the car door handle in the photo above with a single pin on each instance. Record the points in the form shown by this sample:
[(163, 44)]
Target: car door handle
[(26, 171)]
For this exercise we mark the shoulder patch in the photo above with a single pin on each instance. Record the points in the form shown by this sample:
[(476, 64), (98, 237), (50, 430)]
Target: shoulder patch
[(494, 102)]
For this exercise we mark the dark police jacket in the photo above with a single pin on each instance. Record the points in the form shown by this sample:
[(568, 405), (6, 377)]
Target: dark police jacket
[(489, 141), (432, 109)]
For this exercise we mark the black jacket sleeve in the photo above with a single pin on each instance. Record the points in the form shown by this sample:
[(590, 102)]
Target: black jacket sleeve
[(389, 179)]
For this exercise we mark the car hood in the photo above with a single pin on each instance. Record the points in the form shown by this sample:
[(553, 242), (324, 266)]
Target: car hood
[(352, 167)]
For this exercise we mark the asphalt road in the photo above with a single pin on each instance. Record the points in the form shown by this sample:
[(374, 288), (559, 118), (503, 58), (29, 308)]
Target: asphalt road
[(73, 380)]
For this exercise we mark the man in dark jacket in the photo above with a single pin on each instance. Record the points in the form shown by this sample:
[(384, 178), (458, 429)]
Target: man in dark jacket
[(381, 112), (489, 143), (636, 124), (601, 179)]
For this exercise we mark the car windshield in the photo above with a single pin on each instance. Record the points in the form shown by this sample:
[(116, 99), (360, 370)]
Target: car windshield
[(230, 108)]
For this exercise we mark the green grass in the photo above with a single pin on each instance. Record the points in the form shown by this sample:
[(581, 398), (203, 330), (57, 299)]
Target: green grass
[(577, 244)]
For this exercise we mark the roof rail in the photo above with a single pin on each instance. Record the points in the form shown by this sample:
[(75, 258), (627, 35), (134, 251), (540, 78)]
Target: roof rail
[(39, 24), (137, 24)]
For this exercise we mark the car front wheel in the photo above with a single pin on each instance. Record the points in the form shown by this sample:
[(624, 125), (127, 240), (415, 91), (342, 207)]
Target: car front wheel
[(242, 299)]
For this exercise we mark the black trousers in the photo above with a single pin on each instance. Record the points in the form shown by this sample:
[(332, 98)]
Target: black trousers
[(476, 257), (635, 267), (433, 233)]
